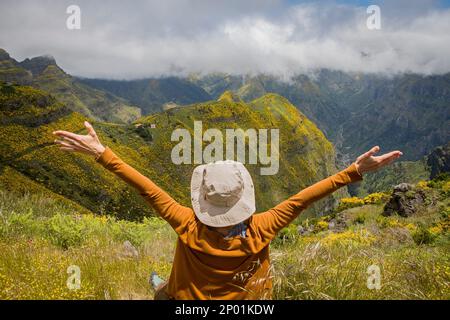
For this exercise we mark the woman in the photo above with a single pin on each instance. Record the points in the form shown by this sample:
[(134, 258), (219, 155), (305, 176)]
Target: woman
[(222, 249)]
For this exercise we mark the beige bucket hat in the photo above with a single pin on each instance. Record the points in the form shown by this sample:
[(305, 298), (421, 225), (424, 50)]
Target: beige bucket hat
[(222, 193)]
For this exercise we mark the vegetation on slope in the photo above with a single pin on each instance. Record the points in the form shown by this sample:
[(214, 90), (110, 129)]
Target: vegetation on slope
[(41, 238), (429, 167), (11, 71), (29, 116), (27, 119), (49, 205), (43, 73), (412, 253), (305, 154), (79, 97)]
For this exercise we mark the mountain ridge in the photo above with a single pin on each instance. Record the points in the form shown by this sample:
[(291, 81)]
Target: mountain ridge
[(29, 116), (152, 94), (44, 73), (357, 111)]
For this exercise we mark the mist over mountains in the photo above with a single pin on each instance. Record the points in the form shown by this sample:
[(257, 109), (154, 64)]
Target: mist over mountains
[(157, 38), (355, 110)]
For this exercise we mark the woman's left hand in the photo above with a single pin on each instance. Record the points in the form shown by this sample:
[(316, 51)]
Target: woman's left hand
[(368, 162)]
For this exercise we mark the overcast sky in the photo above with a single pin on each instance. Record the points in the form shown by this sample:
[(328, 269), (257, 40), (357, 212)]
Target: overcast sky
[(136, 39)]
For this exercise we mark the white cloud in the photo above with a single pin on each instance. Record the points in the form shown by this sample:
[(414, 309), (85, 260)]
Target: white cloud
[(153, 38)]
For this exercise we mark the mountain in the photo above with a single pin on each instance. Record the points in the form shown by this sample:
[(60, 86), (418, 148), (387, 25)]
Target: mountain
[(30, 163), (410, 113), (308, 96), (11, 71), (357, 111), (27, 154), (43, 73), (152, 95), (305, 154)]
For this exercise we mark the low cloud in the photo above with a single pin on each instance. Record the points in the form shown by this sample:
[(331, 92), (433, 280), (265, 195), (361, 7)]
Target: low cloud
[(160, 38)]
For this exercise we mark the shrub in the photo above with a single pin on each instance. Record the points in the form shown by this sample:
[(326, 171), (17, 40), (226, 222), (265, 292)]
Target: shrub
[(346, 238), (376, 198), (64, 231), (353, 202), (360, 219), (347, 203), (446, 188), (321, 226), (423, 185), (389, 222), (423, 236), (18, 224), (144, 133), (411, 227), (439, 181), (288, 234)]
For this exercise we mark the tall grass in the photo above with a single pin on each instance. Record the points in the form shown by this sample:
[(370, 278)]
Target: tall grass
[(340, 271), (40, 238)]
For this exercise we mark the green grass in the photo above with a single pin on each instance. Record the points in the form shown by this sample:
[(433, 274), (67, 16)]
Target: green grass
[(412, 253), (339, 271), (41, 236)]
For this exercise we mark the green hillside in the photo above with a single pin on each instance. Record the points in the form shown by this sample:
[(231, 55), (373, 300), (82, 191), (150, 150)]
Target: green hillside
[(305, 154), (11, 71), (354, 110), (309, 95), (60, 209), (29, 116), (43, 73)]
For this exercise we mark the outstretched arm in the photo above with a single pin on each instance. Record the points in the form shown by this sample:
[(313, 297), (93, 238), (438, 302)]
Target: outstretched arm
[(273, 220), (177, 215)]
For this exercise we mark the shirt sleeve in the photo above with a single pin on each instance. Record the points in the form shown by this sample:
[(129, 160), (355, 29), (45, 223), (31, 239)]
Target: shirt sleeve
[(177, 215), (273, 220)]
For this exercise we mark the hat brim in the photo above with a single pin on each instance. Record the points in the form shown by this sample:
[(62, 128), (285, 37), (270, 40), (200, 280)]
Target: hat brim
[(219, 216)]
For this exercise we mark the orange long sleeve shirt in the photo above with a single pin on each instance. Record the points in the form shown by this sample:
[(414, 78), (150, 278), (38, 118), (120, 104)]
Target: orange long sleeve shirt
[(207, 265)]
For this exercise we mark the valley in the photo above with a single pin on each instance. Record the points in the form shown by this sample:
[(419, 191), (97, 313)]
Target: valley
[(347, 108)]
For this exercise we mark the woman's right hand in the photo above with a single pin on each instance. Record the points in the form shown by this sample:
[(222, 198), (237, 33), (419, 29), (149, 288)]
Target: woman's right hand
[(71, 142), (369, 162)]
